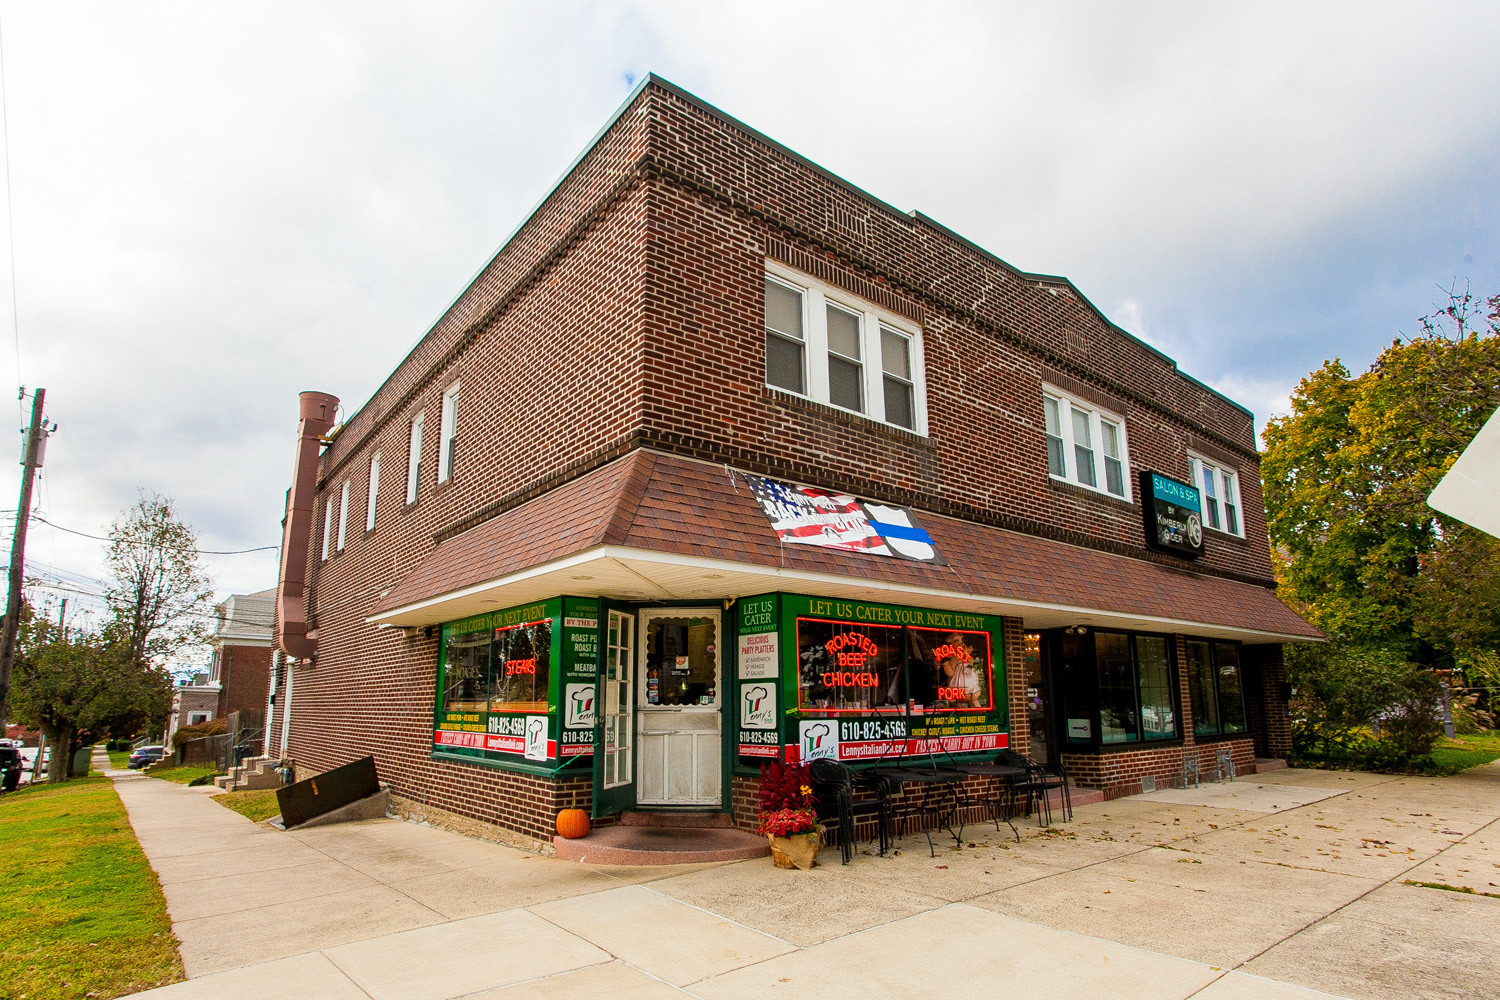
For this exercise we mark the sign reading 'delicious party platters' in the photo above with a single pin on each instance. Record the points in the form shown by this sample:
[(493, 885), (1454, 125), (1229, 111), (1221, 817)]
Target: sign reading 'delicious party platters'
[(1174, 515), (806, 515)]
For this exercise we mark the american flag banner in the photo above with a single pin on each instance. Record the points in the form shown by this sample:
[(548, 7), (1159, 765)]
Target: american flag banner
[(806, 515)]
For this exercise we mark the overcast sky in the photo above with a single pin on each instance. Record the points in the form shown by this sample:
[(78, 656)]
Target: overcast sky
[(216, 205)]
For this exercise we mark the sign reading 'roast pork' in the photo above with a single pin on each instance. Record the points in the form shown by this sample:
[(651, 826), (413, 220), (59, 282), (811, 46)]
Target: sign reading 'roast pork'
[(805, 515), (1174, 515)]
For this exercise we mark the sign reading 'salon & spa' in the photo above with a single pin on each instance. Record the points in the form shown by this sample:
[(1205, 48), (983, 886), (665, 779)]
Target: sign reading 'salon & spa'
[(1174, 515)]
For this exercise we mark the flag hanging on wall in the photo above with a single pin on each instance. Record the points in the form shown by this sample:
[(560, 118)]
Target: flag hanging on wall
[(806, 515)]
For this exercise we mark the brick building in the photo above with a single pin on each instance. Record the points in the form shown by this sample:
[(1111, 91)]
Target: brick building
[(720, 458), (242, 642)]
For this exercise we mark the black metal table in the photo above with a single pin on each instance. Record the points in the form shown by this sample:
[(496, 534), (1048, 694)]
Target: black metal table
[(948, 804), (1008, 778)]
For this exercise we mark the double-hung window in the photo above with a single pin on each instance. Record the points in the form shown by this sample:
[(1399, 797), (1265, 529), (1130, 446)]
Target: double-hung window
[(1221, 495), (374, 491), (834, 348), (1214, 681), (343, 513), (328, 528), (448, 433), (414, 459), (1085, 445)]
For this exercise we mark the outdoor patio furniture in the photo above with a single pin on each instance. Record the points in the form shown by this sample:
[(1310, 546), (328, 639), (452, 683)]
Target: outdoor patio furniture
[(835, 784)]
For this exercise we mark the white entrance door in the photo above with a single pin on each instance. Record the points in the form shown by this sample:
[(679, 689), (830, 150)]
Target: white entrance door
[(679, 693)]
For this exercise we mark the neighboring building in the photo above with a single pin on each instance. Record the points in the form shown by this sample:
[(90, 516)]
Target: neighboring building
[(242, 644), (537, 569), (193, 701)]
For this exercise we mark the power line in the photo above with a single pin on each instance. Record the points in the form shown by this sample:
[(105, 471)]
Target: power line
[(201, 552)]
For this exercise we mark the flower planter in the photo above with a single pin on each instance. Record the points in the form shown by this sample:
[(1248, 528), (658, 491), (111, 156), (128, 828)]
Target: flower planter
[(800, 850)]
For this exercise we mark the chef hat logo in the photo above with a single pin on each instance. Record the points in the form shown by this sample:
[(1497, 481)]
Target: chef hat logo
[(813, 736), (754, 695)]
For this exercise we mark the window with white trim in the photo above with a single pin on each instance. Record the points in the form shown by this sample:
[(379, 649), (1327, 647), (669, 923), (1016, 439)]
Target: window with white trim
[(1221, 495), (197, 718), (327, 527), (1085, 445), (374, 491), (343, 513), (447, 433), (414, 459), (829, 346)]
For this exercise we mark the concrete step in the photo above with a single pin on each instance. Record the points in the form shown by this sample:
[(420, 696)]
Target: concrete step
[(655, 845), (676, 819)]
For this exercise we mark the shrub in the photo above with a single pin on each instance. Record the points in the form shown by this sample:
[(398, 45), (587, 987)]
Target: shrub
[(213, 727), (1362, 708)]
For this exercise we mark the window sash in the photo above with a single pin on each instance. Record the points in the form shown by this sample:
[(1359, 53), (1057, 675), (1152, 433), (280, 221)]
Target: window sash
[(447, 433), (1221, 504), (327, 528), (414, 459), (1082, 443), (845, 354), (374, 492), (343, 513)]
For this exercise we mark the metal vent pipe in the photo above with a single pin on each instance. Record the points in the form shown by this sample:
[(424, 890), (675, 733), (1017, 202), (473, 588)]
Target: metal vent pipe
[(317, 416)]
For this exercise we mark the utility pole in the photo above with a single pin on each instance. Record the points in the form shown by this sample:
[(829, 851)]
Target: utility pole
[(31, 460)]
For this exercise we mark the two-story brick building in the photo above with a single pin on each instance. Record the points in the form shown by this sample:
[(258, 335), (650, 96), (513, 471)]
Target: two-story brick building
[(720, 459)]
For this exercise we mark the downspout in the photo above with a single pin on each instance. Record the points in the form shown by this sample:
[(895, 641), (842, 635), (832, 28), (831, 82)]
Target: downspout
[(317, 415)]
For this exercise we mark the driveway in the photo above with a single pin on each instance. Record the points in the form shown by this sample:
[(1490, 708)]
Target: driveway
[(1276, 886)]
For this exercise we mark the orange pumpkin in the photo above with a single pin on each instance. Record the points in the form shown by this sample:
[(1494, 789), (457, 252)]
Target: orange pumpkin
[(572, 824)]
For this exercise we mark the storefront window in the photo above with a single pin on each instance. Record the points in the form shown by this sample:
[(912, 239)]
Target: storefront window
[(522, 666), (1214, 680), (848, 667), (949, 669), (1118, 722), (466, 672), (680, 662), (1158, 699)]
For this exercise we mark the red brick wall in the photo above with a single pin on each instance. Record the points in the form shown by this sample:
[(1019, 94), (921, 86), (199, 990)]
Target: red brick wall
[(245, 676), (628, 311)]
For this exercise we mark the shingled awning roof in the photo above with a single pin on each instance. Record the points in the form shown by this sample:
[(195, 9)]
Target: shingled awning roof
[(653, 527)]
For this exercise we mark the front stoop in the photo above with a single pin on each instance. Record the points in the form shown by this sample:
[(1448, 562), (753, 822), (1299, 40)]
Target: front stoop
[(664, 838), (255, 773)]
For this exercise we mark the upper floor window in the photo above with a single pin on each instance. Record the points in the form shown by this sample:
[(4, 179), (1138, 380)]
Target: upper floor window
[(327, 527), (414, 459), (1085, 445), (374, 491), (1221, 495), (343, 513), (447, 433), (829, 346)]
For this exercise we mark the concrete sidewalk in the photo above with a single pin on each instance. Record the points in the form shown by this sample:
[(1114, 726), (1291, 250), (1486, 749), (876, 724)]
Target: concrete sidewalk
[(1271, 887)]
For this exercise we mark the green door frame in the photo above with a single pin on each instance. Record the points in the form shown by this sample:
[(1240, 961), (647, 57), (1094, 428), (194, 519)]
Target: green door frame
[(609, 801)]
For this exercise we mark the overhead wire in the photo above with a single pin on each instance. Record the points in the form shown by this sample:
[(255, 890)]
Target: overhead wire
[(201, 552)]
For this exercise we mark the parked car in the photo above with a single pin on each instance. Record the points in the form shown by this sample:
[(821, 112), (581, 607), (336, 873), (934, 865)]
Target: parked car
[(142, 756)]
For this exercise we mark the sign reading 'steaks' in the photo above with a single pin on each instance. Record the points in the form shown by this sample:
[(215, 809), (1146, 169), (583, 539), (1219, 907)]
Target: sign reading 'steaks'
[(806, 515)]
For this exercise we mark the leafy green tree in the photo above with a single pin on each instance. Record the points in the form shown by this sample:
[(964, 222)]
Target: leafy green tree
[(1347, 474), (159, 594), (77, 686)]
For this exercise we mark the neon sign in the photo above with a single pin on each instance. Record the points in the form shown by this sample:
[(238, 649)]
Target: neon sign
[(514, 667), (864, 649), (849, 678)]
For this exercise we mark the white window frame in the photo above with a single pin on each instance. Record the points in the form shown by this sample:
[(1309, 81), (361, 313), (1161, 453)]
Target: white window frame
[(447, 431), (343, 513), (816, 297), (414, 457), (1228, 482), (194, 720), (327, 528), (1097, 417), (374, 492)]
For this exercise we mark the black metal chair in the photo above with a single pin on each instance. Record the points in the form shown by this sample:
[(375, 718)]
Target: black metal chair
[(1008, 779), (834, 784), (1040, 780)]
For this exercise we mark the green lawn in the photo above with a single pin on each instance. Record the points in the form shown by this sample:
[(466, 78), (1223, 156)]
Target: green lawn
[(258, 804), (119, 759), (1466, 751), (187, 775), (83, 914)]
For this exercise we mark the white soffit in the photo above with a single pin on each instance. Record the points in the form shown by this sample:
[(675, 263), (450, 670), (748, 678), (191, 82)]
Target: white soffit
[(1471, 489), (627, 574)]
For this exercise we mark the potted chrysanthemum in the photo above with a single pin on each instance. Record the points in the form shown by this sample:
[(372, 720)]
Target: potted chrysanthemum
[(787, 817)]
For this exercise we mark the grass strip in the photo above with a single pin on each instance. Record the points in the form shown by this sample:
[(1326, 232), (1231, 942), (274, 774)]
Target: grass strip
[(193, 775), (256, 804), (84, 914), (119, 759), (1451, 888)]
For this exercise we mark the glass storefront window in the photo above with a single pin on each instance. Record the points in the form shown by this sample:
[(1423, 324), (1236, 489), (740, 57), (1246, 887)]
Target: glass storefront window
[(1158, 699), (1214, 681), (848, 667), (521, 667), (949, 669), (466, 672), (1118, 722)]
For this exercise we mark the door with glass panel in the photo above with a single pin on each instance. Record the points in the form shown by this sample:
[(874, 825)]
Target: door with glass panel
[(614, 746), (678, 697)]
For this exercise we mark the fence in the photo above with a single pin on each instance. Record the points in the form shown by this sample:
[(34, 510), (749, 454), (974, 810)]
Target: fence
[(244, 738)]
